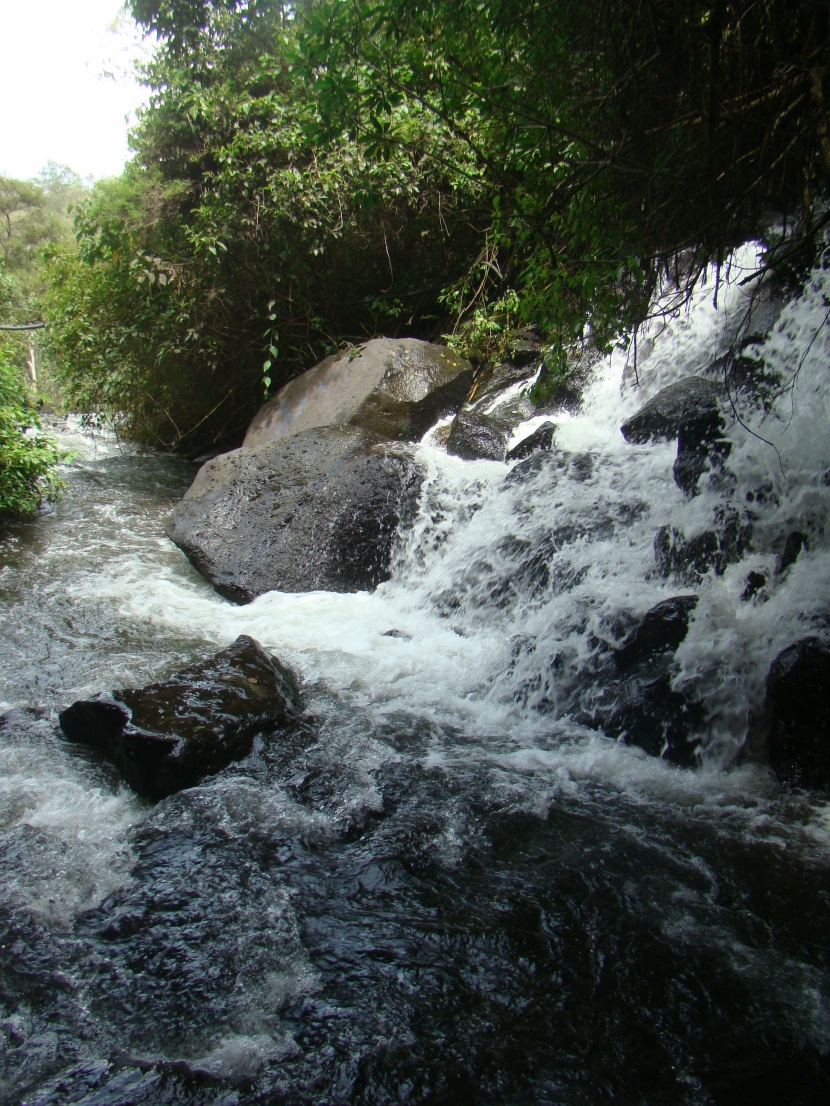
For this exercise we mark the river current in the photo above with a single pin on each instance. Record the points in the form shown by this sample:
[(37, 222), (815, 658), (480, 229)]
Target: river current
[(456, 893)]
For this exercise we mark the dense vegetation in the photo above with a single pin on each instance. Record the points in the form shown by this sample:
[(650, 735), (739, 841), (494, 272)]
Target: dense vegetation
[(312, 173), (33, 216)]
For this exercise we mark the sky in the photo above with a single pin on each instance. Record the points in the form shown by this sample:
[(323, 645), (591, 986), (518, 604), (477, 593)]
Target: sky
[(66, 90)]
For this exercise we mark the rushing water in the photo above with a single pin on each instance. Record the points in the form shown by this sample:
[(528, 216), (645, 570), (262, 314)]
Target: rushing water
[(456, 893)]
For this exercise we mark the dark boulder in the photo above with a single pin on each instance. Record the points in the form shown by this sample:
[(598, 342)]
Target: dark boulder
[(540, 439), (318, 510), (171, 735), (689, 411), (475, 436), (690, 405), (644, 710), (689, 559), (755, 583), (396, 388), (695, 456), (798, 711), (660, 630), (796, 541)]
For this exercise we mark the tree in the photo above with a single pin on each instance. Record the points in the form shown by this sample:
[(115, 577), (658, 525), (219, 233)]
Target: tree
[(613, 136), (239, 247)]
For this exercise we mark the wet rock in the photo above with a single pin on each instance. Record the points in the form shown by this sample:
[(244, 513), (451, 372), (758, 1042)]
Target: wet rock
[(524, 347), (644, 710), (475, 436), (796, 541), (661, 630), (318, 510), (689, 406), (755, 581), (798, 710), (694, 457), (494, 408), (541, 462), (540, 439), (168, 736), (689, 559), (395, 388)]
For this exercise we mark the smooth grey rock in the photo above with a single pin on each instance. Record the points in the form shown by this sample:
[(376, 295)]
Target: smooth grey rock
[(316, 511), (170, 735), (395, 387)]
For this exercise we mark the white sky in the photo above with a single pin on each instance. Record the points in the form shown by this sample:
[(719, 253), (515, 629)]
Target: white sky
[(66, 90)]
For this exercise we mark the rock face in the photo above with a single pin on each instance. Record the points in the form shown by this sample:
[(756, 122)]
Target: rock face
[(317, 510), (169, 736), (395, 388), (688, 411), (798, 708)]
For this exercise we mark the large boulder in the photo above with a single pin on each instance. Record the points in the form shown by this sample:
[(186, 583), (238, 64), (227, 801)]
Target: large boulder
[(798, 710), (394, 387), (689, 406), (316, 511), (171, 735), (690, 412)]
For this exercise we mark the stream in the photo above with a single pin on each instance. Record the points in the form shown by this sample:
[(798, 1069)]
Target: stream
[(458, 892)]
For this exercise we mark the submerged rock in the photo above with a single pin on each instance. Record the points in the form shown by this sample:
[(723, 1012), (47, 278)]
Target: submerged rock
[(396, 388), (171, 735), (318, 510), (632, 698), (798, 710), (796, 541), (645, 710), (690, 558)]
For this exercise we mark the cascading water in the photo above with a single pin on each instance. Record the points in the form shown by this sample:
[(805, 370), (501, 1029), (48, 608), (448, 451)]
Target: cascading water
[(461, 891)]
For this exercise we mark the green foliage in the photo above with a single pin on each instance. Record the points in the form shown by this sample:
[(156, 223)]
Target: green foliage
[(27, 459), (610, 137), (317, 172), (239, 247)]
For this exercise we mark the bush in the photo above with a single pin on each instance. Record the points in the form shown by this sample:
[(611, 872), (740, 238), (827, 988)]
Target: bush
[(27, 459)]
